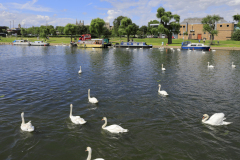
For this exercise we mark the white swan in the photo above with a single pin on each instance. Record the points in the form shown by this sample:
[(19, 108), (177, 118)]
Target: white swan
[(150, 48), (210, 66), (162, 91), (178, 49), (76, 119), (163, 69), (216, 119), (93, 48), (113, 128), (93, 99), (233, 66), (89, 149), (202, 51), (213, 50), (26, 126), (80, 71), (127, 48)]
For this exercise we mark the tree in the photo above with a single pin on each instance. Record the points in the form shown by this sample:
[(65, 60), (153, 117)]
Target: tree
[(81, 30), (167, 23), (143, 29), (43, 33), (149, 28), (106, 32), (154, 31), (60, 29), (237, 18), (23, 31), (116, 24), (96, 26), (209, 24), (52, 31), (126, 27), (236, 35), (70, 29), (135, 29)]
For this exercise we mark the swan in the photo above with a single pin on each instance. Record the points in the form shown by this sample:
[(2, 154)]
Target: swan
[(26, 126), (163, 69), (202, 51), (233, 66), (171, 48), (162, 92), (141, 48), (216, 119), (210, 66), (80, 71), (76, 119), (93, 48), (178, 49), (89, 149), (150, 48), (113, 128), (213, 50), (127, 48), (93, 99)]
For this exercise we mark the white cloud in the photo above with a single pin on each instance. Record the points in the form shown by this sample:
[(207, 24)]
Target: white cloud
[(84, 13), (32, 20), (30, 5), (2, 7)]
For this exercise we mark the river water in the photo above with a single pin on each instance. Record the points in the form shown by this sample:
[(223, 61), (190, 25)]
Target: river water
[(42, 82)]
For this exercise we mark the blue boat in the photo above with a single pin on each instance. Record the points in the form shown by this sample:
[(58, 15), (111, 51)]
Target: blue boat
[(133, 45), (194, 46)]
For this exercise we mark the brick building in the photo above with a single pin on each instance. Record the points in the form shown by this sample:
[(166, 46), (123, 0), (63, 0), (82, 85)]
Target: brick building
[(194, 28)]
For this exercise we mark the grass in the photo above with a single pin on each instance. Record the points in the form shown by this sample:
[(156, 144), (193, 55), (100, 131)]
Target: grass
[(153, 41)]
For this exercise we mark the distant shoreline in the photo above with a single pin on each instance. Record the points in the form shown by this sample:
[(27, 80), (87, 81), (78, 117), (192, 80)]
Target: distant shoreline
[(155, 46)]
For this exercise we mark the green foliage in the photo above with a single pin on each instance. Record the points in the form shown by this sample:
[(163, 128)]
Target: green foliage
[(96, 26), (185, 33), (154, 31), (60, 29), (126, 27), (236, 35), (149, 28), (116, 24), (143, 29), (135, 29), (70, 29), (43, 33), (169, 23), (106, 32), (23, 32), (81, 30), (209, 25), (236, 17)]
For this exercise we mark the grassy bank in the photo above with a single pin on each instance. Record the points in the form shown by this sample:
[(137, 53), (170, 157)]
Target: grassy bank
[(153, 41)]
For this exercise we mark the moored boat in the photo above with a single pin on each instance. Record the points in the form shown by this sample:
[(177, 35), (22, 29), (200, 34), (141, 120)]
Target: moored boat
[(39, 43), (93, 43), (194, 46), (133, 45), (21, 42)]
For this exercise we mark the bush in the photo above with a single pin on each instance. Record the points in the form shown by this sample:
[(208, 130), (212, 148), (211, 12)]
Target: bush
[(236, 35)]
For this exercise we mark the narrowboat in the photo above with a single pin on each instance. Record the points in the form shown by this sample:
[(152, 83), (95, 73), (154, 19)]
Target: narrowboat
[(21, 42), (133, 45), (39, 43)]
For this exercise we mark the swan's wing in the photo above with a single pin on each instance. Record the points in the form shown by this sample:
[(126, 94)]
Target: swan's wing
[(77, 120), (98, 159), (115, 128), (216, 118)]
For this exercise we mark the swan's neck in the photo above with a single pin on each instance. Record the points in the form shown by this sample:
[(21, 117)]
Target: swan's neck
[(104, 124), (88, 93), (159, 88), (208, 64), (23, 121), (89, 155), (70, 111), (205, 119), (162, 65)]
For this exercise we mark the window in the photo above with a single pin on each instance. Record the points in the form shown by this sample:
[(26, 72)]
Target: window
[(220, 25), (180, 34), (204, 32), (183, 26), (227, 25)]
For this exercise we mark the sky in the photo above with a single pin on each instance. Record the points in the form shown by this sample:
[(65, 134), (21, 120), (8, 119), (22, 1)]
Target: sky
[(30, 13)]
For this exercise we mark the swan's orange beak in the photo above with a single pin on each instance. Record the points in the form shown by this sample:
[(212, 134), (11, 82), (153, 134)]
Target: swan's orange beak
[(102, 119), (203, 117), (85, 150)]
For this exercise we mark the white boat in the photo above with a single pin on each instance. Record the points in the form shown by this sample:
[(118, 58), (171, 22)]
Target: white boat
[(21, 42), (39, 43)]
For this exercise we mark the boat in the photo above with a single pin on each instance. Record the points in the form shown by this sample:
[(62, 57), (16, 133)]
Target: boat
[(133, 45), (39, 43), (194, 46), (21, 42), (93, 43)]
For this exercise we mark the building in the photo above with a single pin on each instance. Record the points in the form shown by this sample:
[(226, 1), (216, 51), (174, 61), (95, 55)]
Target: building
[(194, 29), (107, 25), (80, 23)]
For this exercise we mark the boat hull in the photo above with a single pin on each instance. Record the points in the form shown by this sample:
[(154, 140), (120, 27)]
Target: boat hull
[(90, 45), (39, 44), (21, 43), (131, 46), (196, 47)]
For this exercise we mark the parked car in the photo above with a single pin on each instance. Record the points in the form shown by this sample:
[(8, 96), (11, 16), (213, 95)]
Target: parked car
[(173, 37)]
